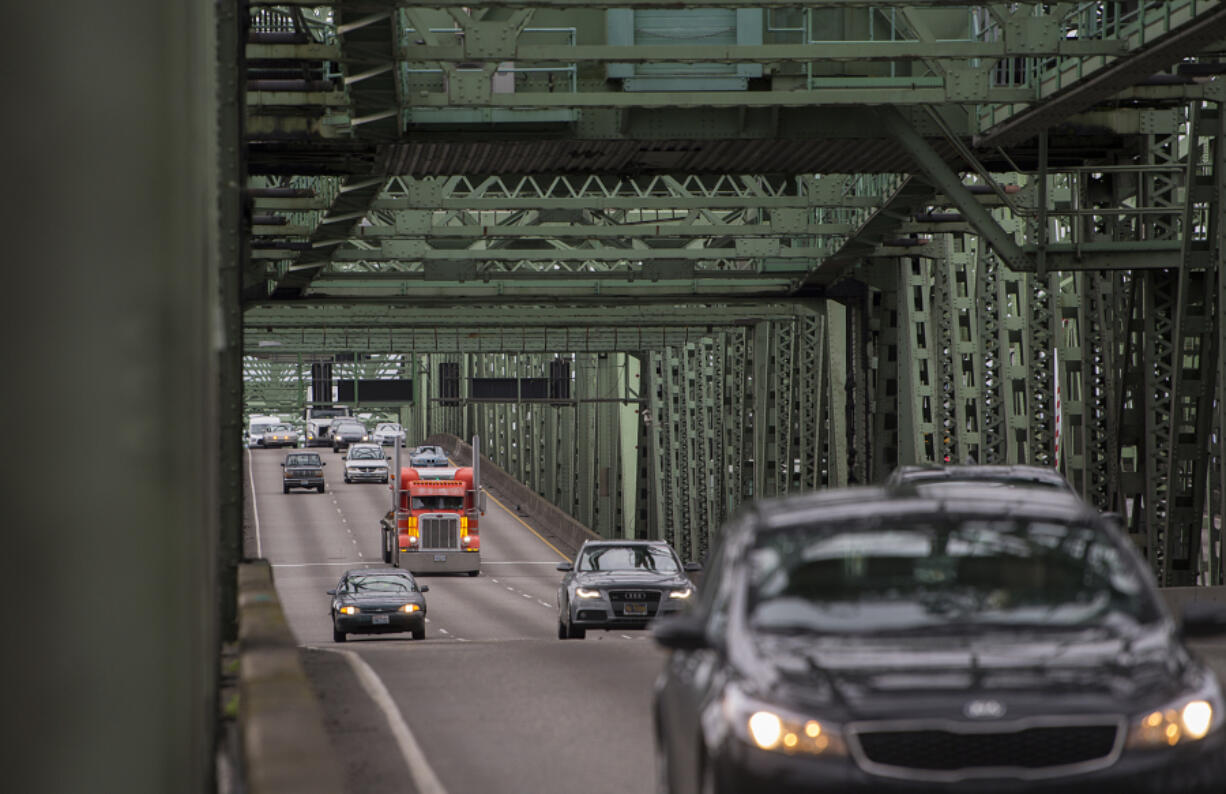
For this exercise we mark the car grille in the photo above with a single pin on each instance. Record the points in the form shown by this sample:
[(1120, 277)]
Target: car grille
[(439, 532), (1034, 748), (620, 598), (640, 596)]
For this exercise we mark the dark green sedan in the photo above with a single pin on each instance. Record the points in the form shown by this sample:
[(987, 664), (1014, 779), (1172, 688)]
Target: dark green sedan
[(378, 601)]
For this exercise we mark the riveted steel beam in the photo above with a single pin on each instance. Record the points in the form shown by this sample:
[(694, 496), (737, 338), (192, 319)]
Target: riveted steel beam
[(941, 176)]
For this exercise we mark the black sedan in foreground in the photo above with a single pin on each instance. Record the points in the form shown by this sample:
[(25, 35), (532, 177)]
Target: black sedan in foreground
[(378, 601), (621, 584), (882, 640)]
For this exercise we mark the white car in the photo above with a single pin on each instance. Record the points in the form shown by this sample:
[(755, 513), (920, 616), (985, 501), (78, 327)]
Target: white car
[(257, 426), (366, 463), (387, 433)]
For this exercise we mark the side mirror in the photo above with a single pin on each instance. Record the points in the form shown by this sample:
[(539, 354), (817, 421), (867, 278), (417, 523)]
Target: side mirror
[(1203, 620), (324, 463), (683, 633), (693, 566), (331, 592), (565, 566), (283, 464), (425, 588), (481, 501)]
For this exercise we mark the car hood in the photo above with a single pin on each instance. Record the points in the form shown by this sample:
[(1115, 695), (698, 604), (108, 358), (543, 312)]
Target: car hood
[(366, 462), (1028, 673), (629, 578)]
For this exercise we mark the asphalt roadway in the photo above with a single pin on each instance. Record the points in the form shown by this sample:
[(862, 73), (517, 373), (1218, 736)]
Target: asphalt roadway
[(491, 700)]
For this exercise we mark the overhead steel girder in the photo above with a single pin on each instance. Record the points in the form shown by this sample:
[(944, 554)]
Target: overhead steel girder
[(826, 51), (850, 91), (597, 192), (1189, 28), (948, 182), (667, 229), (460, 314), (719, 286), (281, 342), (389, 253)]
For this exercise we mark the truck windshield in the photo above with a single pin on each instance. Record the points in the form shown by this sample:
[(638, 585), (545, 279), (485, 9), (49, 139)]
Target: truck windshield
[(438, 502), (302, 460)]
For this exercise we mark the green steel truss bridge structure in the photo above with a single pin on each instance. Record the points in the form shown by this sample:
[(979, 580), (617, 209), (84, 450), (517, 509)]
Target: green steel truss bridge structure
[(666, 259)]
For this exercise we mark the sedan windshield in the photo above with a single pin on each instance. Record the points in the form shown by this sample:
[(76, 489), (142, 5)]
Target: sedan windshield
[(379, 584), (946, 573), (627, 558), (280, 429), (386, 428), (366, 453)]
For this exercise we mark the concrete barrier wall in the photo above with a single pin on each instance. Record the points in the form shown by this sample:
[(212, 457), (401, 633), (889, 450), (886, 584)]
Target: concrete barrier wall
[(285, 745), (556, 525)]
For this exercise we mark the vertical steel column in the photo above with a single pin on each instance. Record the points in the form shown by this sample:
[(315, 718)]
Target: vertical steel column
[(783, 382), (993, 332), (917, 426), (607, 445), (658, 432), (585, 385), (858, 391), (1217, 261), (1042, 305), (764, 483), (835, 387), (810, 431), (884, 327), (738, 404)]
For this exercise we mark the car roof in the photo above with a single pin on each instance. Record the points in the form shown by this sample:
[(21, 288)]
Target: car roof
[(909, 501), (379, 570), (1019, 474), (627, 542)]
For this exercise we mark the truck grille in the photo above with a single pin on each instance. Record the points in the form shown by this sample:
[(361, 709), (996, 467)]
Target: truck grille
[(439, 532), (1037, 748)]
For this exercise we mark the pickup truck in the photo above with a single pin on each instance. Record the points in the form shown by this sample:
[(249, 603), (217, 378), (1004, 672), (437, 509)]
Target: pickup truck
[(302, 470)]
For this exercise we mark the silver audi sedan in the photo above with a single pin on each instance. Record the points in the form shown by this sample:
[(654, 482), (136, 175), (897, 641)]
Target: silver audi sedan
[(621, 584)]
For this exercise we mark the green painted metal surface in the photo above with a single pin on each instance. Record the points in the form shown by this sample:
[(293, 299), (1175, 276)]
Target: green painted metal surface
[(781, 247)]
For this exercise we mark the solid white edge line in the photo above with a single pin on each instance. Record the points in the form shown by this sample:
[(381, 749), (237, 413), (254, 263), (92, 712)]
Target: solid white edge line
[(424, 779), (255, 510)]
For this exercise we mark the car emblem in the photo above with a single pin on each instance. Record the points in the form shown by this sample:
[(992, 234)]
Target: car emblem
[(633, 595), (984, 709)]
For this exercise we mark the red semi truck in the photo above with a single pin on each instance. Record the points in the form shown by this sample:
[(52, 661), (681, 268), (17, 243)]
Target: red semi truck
[(435, 524)]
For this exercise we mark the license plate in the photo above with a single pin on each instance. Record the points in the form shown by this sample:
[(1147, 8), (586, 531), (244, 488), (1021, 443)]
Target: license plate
[(634, 609), (304, 482), (378, 619), (440, 558)]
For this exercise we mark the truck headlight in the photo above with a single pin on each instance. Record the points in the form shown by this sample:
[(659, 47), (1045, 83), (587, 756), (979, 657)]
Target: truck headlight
[(348, 610), (410, 608)]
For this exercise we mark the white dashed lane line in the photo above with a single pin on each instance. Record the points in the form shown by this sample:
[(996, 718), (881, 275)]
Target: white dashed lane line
[(542, 603)]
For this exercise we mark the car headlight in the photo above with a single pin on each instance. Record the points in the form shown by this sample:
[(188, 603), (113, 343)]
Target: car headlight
[(1185, 719), (684, 592), (410, 608), (348, 610), (776, 729), (584, 592)]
